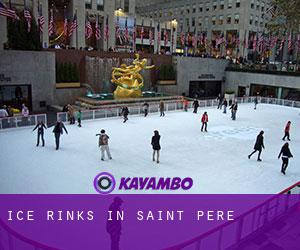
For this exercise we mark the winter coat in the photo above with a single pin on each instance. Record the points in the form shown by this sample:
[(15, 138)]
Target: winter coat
[(204, 118), (162, 106), (234, 107), (287, 128), (25, 112), (155, 142), (125, 111), (3, 113), (146, 106), (259, 144), (40, 127), (285, 152), (59, 127), (78, 115), (196, 104), (225, 103), (103, 139)]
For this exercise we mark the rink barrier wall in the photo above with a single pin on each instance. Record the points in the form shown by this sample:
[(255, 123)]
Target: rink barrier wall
[(244, 225), (21, 121), (115, 110)]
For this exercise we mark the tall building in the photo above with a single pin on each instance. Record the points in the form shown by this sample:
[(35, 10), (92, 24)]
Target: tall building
[(114, 21), (230, 25)]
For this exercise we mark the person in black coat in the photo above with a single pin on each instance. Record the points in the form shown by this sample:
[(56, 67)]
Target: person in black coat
[(286, 154), (40, 133), (234, 108), (125, 113), (58, 130), (146, 108), (259, 145), (156, 145), (225, 104), (196, 106)]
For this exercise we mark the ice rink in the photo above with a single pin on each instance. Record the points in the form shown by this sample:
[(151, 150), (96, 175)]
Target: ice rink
[(217, 161)]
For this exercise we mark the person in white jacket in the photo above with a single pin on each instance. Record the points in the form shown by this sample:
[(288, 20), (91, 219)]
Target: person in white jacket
[(103, 144)]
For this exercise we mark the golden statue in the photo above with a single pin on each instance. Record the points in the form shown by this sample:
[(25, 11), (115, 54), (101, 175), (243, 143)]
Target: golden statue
[(128, 79)]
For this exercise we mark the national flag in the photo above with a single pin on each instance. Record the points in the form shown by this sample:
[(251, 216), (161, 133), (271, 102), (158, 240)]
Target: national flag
[(158, 33), (273, 42), (255, 42), (282, 43), (97, 30), (166, 36), (194, 39), (142, 32), (126, 34), (261, 43), (118, 31), (151, 36), (5, 11), (106, 30), (28, 18), (88, 28), (51, 23), (74, 25), (182, 38), (220, 39), (41, 19)]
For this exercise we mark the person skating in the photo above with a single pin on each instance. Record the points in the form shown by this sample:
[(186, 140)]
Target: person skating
[(286, 154), (162, 108), (125, 113), (58, 131), (40, 132), (255, 102), (146, 108), (195, 106), (287, 131), (225, 104), (79, 117), (155, 142), (204, 121), (259, 145), (185, 105), (103, 144), (234, 108), (71, 113), (220, 101)]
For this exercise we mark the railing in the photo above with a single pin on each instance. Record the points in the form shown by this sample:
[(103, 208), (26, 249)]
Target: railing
[(21, 121), (230, 234)]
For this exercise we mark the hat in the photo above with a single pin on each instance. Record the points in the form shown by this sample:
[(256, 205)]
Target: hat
[(102, 131)]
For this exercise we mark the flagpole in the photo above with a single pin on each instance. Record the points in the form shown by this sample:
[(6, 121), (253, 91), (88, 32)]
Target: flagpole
[(76, 30)]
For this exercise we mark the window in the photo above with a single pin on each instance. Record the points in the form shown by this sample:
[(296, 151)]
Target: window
[(238, 3), (194, 8), (251, 20), (206, 22), (222, 5), (252, 4), (221, 20), (207, 6), (182, 11), (88, 4), (236, 18), (188, 10), (229, 19), (126, 6), (187, 22), (229, 4), (213, 20), (256, 21), (257, 5), (201, 8), (100, 4), (215, 5), (262, 7), (261, 24), (200, 21), (193, 21)]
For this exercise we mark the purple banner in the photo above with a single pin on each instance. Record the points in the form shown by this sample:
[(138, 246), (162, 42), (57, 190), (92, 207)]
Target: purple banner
[(149, 222)]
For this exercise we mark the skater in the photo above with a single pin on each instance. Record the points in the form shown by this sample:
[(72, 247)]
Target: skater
[(156, 145), (255, 102), (287, 131), (234, 108), (103, 144), (219, 99), (146, 109), (58, 131), (162, 108), (185, 105), (40, 133), (125, 113), (195, 106), (286, 154), (225, 104), (71, 112), (79, 117), (259, 145), (204, 121)]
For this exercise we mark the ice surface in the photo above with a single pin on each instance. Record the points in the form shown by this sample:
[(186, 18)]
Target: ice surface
[(217, 161)]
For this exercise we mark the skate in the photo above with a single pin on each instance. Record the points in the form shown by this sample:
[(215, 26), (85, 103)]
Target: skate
[(110, 158), (157, 162), (102, 159), (259, 159), (249, 157)]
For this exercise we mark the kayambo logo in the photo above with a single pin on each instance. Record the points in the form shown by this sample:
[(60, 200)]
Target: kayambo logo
[(105, 183)]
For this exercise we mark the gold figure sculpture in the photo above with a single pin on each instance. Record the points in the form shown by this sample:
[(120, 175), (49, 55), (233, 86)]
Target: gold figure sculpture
[(128, 79)]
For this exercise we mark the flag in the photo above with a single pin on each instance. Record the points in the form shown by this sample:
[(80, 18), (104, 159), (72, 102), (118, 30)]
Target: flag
[(273, 41), (51, 23), (282, 43), (158, 36), (118, 31), (126, 34), (220, 40), (194, 39), (88, 28), (73, 26), (134, 35), (4, 11), (41, 19), (151, 34), (65, 25), (97, 30), (290, 44), (261, 43), (182, 38), (142, 32), (166, 36), (106, 30), (27, 17), (255, 42)]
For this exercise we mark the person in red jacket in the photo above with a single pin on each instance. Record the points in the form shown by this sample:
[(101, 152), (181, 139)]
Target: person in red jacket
[(204, 121), (287, 131)]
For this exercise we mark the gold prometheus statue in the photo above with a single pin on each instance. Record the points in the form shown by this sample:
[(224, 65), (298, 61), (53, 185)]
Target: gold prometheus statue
[(128, 79)]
